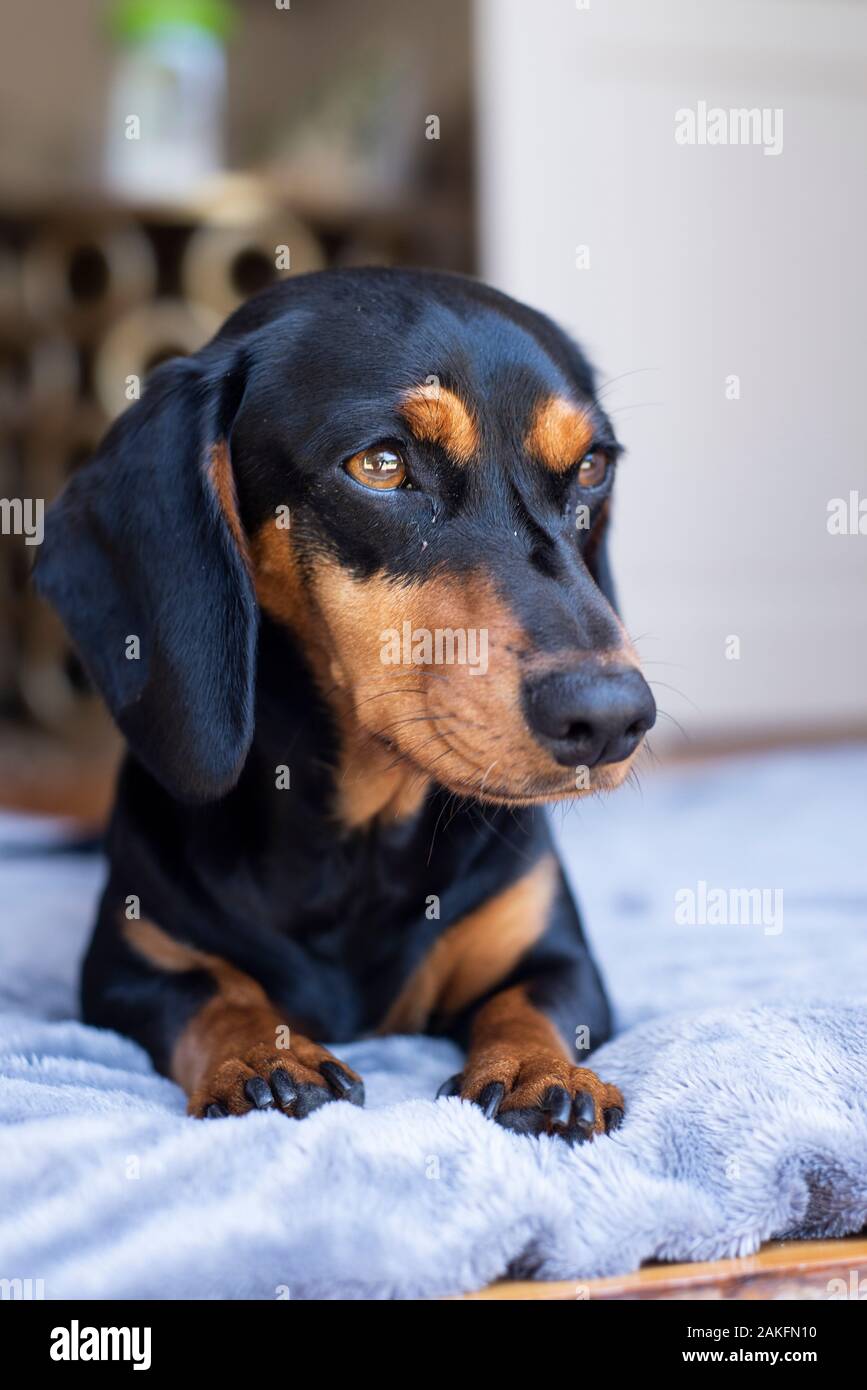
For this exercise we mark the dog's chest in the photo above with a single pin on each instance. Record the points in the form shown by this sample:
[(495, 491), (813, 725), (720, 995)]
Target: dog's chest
[(367, 914)]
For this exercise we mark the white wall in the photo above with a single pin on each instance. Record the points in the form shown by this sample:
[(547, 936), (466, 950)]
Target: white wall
[(704, 261)]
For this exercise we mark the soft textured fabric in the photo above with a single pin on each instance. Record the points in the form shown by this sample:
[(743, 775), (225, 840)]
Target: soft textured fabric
[(743, 1056)]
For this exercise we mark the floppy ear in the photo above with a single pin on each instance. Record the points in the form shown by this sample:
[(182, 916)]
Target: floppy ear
[(145, 543)]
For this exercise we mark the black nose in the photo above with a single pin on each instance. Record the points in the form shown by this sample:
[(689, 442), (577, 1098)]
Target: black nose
[(592, 715)]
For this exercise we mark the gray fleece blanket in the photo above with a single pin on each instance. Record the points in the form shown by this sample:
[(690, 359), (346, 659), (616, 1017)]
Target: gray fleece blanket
[(728, 906)]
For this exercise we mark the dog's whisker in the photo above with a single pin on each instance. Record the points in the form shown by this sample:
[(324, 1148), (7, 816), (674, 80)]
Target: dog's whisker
[(605, 386), (675, 665), (676, 722), (673, 688), (382, 735), (383, 694), (448, 801), (485, 778), (420, 670)]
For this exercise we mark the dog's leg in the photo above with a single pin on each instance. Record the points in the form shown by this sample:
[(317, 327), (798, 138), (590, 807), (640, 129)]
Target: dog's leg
[(520, 1072), (209, 1026), (239, 1053), (532, 1007)]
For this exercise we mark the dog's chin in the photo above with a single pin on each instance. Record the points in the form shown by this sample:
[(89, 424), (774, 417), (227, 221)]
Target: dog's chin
[(544, 791)]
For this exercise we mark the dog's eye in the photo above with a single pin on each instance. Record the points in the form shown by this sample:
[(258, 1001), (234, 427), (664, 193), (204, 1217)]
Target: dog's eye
[(593, 468), (383, 469)]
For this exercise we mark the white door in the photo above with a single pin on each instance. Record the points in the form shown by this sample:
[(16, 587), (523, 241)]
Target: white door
[(720, 289)]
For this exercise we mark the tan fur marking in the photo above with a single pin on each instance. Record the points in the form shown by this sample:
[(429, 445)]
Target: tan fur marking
[(438, 416), (559, 434), (370, 781), (373, 783), (510, 1024), (164, 951), (239, 1016), (514, 1044), (477, 952), (282, 592), (468, 730), (237, 1034), (401, 725), (223, 482), (225, 1028)]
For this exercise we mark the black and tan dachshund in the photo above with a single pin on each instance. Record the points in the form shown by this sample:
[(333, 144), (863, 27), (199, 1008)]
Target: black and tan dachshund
[(341, 579)]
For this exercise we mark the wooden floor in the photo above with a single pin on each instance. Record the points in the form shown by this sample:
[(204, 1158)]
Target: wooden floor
[(804, 1269), (47, 776)]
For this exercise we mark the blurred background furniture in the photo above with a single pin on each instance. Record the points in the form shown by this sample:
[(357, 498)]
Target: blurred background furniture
[(122, 243)]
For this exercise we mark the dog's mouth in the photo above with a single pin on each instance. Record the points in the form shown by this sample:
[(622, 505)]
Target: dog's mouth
[(458, 772), (604, 779)]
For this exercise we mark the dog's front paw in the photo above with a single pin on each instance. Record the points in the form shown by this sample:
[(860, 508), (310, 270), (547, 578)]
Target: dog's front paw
[(295, 1080), (540, 1094)]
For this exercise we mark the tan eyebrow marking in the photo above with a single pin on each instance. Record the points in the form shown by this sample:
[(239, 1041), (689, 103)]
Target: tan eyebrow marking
[(559, 434), (435, 414)]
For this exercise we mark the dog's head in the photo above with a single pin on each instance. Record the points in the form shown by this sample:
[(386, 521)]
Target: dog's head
[(413, 474)]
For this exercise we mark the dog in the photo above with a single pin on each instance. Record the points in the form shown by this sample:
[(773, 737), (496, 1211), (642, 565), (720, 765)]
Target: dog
[(341, 578)]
